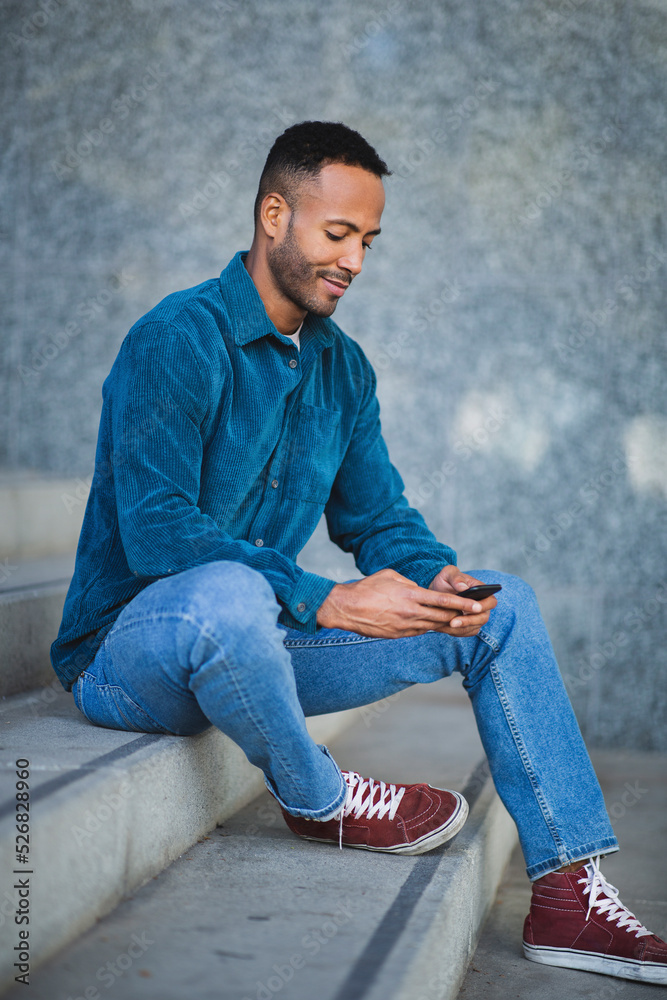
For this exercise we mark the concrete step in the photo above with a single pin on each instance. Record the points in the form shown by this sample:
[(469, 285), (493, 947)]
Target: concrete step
[(40, 516), (32, 594), (251, 911), (108, 810)]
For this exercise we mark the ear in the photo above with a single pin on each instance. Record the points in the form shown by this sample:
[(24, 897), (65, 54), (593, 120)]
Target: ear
[(274, 215)]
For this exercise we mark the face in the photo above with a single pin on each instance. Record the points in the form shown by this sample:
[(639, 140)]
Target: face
[(320, 246)]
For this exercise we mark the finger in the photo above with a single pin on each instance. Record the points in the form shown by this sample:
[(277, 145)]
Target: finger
[(443, 599), (470, 621), (459, 633), (438, 599), (463, 633), (487, 605), (456, 579), (463, 581)]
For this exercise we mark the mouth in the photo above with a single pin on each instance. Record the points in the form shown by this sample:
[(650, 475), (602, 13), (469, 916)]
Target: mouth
[(336, 288)]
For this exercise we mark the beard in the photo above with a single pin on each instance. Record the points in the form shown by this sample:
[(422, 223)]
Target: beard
[(297, 278)]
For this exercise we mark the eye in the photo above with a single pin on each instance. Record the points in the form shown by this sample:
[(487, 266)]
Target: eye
[(367, 246), (332, 236)]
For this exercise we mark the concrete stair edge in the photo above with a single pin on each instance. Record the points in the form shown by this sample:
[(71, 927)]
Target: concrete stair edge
[(40, 515), (428, 960), (117, 827), (29, 622), (447, 948)]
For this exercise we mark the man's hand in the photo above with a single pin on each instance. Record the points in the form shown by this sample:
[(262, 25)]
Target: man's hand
[(387, 605), (449, 580)]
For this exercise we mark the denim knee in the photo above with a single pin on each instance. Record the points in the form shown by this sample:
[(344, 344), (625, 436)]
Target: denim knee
[(225, 592), (518, 585), (516, 600), (512, 585)]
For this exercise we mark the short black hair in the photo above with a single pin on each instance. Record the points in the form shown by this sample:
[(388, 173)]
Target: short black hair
[(301, 152)]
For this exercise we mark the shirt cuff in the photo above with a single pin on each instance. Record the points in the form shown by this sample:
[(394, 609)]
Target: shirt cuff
[(425, 570), (300, 612)]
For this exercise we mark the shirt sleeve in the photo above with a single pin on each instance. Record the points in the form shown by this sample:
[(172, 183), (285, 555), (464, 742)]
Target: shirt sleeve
[(159, 398), (367, 513)]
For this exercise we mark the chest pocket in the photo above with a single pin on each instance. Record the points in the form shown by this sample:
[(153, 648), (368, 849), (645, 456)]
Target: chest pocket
[(313, 453)]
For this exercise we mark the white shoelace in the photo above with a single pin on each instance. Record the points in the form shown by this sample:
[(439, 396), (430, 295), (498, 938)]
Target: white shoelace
[(381, 799), (594, 884)]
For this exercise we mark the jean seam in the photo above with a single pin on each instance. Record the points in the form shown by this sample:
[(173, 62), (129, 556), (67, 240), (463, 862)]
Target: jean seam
[(525, 759), (607, 845), (232, 667), (329, 642), (118, 702), (489, 640), (80, 681), (339, 799), (112, 689), (162, 616), (184, 617)]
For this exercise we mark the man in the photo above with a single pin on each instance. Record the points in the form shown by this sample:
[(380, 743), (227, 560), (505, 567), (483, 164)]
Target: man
[(235, 413)]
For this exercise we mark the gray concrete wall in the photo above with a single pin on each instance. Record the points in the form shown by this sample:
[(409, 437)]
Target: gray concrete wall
[(513, 305)]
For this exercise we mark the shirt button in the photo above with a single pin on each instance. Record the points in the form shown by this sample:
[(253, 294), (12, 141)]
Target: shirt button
[(293, 363), (259, 542), (274, 483), (301, 607)]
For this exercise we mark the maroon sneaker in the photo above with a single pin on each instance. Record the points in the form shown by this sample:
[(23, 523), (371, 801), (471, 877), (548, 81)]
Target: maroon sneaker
[(400, 819), (577, 920)]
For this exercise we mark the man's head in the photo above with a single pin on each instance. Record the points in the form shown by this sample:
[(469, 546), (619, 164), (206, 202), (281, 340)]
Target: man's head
[(317, 210), (302, 150)]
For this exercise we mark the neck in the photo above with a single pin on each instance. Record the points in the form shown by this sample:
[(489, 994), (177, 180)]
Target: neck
[(283, 313)]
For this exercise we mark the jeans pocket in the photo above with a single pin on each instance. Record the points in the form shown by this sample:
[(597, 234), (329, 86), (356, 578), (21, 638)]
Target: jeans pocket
[(110, 706)]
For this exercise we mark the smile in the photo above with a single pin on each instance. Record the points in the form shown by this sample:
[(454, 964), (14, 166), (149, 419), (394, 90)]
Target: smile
[(336, 288)]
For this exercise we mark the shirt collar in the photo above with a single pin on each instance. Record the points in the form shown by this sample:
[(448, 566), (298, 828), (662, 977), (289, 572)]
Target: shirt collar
[(247, 313)]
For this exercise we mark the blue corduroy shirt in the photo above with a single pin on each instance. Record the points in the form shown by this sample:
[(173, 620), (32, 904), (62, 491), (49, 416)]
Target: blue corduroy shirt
[(219, 439)]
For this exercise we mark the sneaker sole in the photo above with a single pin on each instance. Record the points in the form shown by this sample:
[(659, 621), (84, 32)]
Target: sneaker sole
[(426, 843), (592, 961)]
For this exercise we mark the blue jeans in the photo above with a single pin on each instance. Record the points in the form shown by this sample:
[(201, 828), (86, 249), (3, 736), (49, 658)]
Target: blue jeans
[(203, 647)]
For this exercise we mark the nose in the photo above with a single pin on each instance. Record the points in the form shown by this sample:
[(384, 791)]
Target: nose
[(352, 260)]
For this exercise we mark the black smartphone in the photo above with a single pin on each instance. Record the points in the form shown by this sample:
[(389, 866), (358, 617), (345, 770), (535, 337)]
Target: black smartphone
[(481, 591)]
